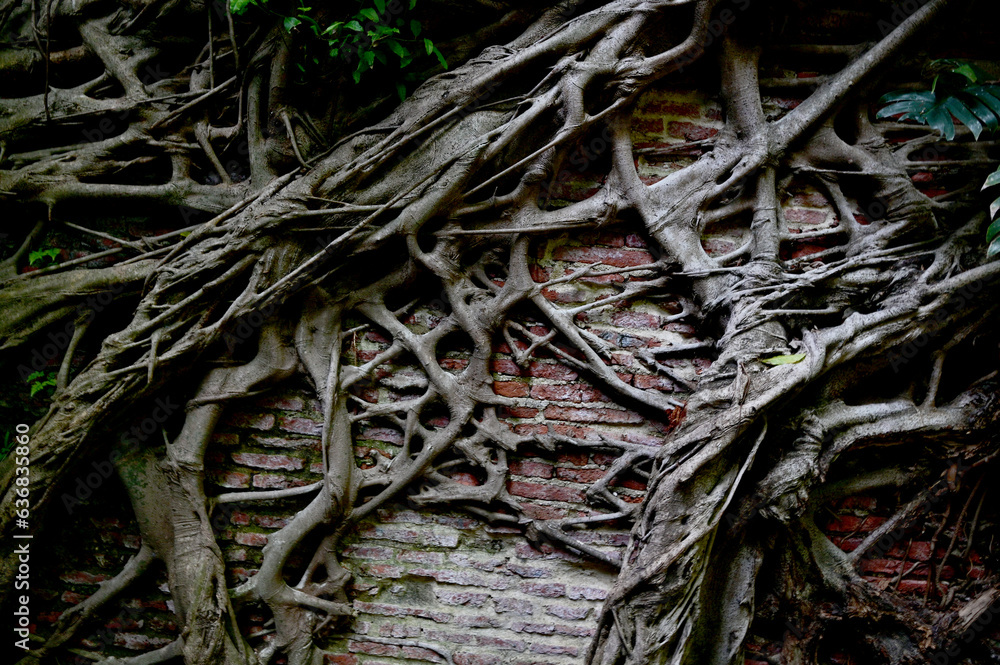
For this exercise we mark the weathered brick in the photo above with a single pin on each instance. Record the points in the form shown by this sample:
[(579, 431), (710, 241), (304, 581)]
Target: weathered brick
[(469, 598), (510, 388), (612, 256), (261, 421), (264, 461), (598, 415), (531, 469), (300, 425), (398, 611), (543, 589), (251, 539), (514, 606), (545, 492), (567, 612), (586, 593), (272, 481)]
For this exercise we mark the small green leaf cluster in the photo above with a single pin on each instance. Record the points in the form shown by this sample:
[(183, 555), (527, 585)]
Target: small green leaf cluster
[(41, 380), (40, 257), (373, 33), (975, 105)]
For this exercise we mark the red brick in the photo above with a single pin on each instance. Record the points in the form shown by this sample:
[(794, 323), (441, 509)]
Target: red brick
[(368, 552), (273, 481), (262, 461), (647, 381), (538, 512), (545, 590), (340, 659), (517, 412), (510, 388), (531, 469), (469, 598), (83, 577), (690, 131), (554, 649), (586, 593), (261, 421), (251, 539), (529, 429), (912, 586), (617, 257), (545, 492), (396, 611), (300, 425), (582, 415), (804, 216), (587, 476), (230, 479), (422, 557)]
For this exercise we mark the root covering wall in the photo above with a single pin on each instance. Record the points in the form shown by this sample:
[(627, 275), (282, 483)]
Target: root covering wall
[(449, 587)]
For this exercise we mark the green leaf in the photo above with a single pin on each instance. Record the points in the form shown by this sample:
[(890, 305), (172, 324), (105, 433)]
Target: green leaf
[(396, 48), (356, 75), (968, 71), (34, 376), (908, 106), (993, 249), (291, 22), (962, 112), (444, 63), (986, 97), (415, 27), (401, 91), (354, 25), (369, 14), (380, 6), (784, 360), (994, 207), (983, 112), (909, 95), (940, 119), (413, 3), (993, 231), (993, 179), (380, 56), (428, 46), (239, 6), (39, 254)]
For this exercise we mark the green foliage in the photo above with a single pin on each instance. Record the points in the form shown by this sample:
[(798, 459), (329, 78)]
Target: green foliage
[(370, 35), (962, 96), (960, 91), (8, 445), (42, 381), (993, 232), (40, 257)]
